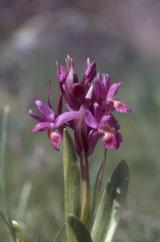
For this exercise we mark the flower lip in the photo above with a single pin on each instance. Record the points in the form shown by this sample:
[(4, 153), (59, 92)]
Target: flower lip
[(121, 107), (112, 140), (55, 139)]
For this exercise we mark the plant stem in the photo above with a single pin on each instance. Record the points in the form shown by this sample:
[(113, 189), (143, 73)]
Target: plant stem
[(85, 186), (98, 183)]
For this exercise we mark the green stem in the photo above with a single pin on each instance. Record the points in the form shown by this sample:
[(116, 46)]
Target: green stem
[(85, 186), (98, 184)]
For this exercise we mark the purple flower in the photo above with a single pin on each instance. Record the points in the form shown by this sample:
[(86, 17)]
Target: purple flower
[(88, 130), (51, 122), (107, 128), (90, 104), (75, 92), (105, 92)]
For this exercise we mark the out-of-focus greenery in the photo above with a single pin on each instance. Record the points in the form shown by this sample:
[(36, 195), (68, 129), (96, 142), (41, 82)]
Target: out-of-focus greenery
[(28, 54)]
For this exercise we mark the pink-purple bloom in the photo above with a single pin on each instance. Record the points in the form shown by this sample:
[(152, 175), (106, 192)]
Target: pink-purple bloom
[(89, 105), (51, 122)]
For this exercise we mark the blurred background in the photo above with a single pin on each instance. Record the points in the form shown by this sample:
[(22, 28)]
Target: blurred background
[(124, 39)]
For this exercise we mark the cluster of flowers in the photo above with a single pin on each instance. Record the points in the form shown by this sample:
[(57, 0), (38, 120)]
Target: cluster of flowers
[(89, 106)]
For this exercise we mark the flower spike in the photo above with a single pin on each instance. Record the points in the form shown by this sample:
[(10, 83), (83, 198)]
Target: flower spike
[(88, 107)]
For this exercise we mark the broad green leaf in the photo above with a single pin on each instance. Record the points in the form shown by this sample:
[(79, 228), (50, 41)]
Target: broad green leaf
[(20, 235), (71, 182), (80, 231), (110, 206)]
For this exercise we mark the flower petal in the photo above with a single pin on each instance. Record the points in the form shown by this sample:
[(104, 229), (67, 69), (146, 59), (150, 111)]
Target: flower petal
[(69, 62), (89, 119), (113, 90), (98, 111), (45, 110), (109, 120), (71, 76), (90, 71), (64, 118), (106, 81), (109, 106), (99, 89), (103, 124), (121, 107), (35, 116), (61, 73), (89, 93), (119, 139), (113, 123), (42, 126)]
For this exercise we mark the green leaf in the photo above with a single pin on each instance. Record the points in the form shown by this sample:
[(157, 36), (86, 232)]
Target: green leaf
[(71, 182), (111, 203), (20, 235), (80, 231)]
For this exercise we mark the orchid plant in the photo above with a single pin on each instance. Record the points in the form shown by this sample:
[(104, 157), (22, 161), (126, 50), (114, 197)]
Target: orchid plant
[(85, 115)]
